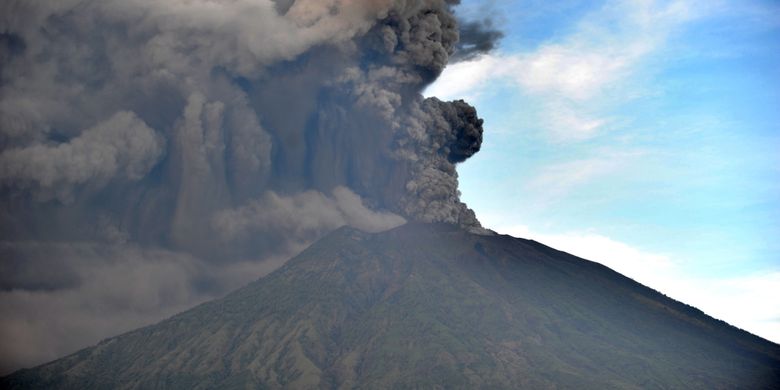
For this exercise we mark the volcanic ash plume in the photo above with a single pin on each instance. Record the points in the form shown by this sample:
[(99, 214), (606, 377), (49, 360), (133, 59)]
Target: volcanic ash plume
[(209, 136)]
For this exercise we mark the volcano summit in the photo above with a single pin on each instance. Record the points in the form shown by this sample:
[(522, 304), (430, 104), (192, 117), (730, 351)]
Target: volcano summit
[(427, 306)]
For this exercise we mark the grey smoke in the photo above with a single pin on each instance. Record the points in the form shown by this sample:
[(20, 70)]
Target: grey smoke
[(476, 38), (157, 154), (122, 147)]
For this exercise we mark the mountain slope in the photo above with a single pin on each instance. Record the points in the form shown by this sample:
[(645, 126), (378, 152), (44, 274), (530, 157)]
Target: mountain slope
[(425, 306)]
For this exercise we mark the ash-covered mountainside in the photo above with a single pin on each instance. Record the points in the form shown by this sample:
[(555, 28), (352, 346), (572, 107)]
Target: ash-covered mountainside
[(427, 306)]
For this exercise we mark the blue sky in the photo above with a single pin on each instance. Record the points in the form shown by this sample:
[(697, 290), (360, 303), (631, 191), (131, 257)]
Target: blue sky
[(642, 134)]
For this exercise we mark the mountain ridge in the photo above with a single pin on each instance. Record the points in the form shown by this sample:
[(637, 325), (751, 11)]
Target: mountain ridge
[(426, 305)]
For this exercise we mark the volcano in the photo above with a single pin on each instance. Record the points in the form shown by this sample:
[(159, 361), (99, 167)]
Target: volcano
[(426, 306)]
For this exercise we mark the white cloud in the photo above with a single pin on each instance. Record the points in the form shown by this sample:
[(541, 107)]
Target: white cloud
[(572, 77), (743, 301), (566, 122), (576, 70), (466, 78), (556, 181)]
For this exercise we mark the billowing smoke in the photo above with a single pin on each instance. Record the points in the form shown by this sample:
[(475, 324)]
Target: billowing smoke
[(476, 38), (159, 153)]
